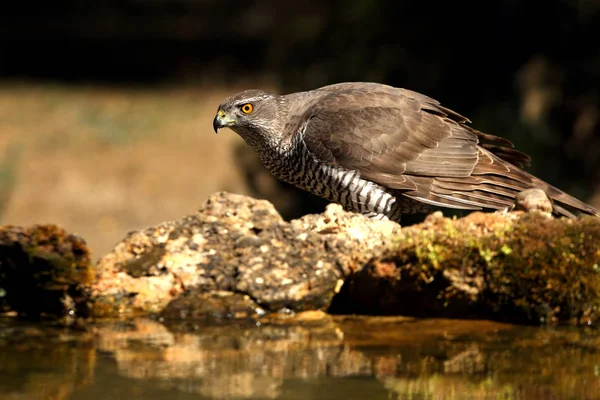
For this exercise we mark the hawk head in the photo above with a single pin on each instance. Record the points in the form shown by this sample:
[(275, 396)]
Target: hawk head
[(255, 115)]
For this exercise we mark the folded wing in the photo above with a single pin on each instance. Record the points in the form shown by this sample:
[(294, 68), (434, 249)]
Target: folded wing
[(409, 143)]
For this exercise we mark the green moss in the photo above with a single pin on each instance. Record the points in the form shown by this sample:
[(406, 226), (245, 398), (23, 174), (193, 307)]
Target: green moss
[(550, 272), (41, 267), (428, 252), (533, 267)]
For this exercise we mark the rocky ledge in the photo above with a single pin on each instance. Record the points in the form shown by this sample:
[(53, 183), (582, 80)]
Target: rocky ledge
[(236, 258)]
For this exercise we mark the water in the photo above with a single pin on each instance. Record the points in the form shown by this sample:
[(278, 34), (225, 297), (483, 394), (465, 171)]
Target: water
[(307, 357)]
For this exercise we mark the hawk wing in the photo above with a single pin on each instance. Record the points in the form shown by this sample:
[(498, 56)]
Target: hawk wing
[(405, 141), (499, 146)]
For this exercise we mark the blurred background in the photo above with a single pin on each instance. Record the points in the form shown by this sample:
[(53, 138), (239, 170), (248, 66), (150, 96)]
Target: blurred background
[(106, 107)]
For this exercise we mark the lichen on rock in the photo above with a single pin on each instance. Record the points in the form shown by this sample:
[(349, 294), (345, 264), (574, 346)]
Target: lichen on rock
[(518, 267), (236, 258), (44, 270), (239, 245)]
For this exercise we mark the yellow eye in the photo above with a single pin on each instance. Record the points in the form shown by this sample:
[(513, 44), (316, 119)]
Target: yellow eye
[(247, 108)]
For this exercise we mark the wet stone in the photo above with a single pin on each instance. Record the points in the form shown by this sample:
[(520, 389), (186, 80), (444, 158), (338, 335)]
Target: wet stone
[(218, 305), (43, 271)]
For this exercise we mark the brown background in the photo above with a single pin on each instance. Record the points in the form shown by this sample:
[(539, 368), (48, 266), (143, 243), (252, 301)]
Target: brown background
[(106, 109)]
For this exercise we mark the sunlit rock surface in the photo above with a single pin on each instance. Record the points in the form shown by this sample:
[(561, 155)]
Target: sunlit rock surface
[(237, 259), (240, 245), (518, 267)]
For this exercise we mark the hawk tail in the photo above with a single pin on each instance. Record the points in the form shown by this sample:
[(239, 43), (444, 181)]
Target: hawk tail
[(493, 184)]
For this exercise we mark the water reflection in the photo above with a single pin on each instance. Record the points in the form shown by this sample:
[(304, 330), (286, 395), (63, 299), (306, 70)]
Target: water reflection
[(313, 357)]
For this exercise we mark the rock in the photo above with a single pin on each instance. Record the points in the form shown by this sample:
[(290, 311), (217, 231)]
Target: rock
[(43, 270), (242, 246), (237, 259), (533, 200), (212, 305), (517, 267)]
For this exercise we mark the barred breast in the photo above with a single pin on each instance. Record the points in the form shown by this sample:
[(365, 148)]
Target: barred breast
[(298, 167)]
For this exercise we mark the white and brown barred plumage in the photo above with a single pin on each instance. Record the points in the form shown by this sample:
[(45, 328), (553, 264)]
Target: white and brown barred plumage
[(383, 151)]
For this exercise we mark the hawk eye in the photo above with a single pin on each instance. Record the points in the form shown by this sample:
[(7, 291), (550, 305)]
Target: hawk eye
[(247, 108)]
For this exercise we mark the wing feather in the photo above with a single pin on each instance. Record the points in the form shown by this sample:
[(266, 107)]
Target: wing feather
[(411, 144)]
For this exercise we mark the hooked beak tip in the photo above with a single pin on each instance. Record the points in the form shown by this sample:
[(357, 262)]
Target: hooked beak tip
[(217, 123), (221, 120)]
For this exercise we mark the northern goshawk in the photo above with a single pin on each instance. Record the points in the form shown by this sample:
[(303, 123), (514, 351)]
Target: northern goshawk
[(383, 151)]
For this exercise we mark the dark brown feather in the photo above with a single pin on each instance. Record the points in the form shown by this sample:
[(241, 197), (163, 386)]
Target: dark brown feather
[(408, 142)]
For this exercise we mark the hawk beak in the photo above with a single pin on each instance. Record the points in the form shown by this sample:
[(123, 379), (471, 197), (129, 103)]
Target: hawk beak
[(222, 120)]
